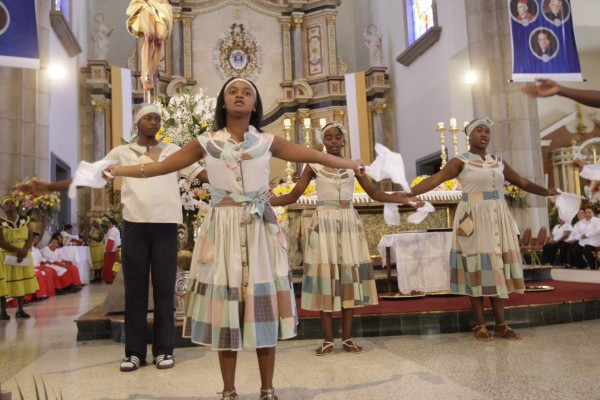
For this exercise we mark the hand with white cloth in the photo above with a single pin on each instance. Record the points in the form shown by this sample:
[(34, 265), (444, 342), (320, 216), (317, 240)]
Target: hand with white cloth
[(567, 205), (89, 174), (389, 165)]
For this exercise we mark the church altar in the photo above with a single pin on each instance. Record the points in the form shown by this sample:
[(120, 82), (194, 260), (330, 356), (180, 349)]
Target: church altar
[(371, 213)]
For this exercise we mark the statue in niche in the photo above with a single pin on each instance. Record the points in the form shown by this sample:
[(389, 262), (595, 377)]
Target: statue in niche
[(373, 43), (152, 20), (100, 34)]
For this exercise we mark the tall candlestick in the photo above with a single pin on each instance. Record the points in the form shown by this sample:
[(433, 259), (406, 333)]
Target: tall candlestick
[(289, 168), (322, 122), (441, 131), (452, 122), (307, 135), (454, 131)]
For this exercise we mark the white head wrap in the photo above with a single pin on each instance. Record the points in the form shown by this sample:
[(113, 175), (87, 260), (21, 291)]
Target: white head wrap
[(476, 122), (330, 125), (240, 80)]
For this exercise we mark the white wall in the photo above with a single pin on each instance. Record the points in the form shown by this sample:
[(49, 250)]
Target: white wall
[(431, 89), (63, 108)]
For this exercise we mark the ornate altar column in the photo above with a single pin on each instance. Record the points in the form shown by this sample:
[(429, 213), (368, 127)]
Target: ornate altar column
[(287, 49), (177, 43), (297, 54), (187, 46), (99, 103), (331, 44), (377, 108), (516, 137)]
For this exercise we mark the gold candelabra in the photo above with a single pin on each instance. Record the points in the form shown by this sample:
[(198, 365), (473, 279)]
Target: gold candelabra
[(307, 128), (441, 129), (287, 128)]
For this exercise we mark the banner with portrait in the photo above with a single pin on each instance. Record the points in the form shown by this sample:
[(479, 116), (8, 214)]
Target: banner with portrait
[(543, 42), (18, 34)]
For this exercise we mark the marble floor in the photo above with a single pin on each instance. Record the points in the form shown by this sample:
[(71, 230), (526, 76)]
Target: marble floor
[(553, 362)]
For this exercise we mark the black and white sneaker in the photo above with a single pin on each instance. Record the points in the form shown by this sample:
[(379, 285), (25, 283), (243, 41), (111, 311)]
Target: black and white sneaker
[(163, 361), (131, 363)]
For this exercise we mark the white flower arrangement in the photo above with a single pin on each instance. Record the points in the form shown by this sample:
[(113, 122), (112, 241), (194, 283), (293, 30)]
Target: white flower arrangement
[(186, 116)]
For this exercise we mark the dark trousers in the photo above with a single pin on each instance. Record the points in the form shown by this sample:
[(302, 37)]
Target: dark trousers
[(149, 249), (579, 253), (550, 250)]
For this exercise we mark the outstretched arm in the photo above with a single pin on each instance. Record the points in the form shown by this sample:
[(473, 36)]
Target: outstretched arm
[(289, 151), (525, 184), (378, 195), (187, 155), (548, 88), (296, 192), (450, 171)]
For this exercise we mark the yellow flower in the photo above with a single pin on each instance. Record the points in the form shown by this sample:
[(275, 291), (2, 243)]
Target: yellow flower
[(358, 188), (418, 180), (167, 140), (160, 133)]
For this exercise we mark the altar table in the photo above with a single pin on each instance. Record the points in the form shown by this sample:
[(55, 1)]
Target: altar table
[(81, 257), (422, 259)]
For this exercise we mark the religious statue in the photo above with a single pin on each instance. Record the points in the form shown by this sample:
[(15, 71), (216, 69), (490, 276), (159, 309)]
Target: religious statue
[(152, 20), (373, 43), (100, 34)]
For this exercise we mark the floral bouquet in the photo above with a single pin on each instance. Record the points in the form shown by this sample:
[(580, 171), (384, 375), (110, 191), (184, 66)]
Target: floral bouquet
[(514, 195), (47, 205), (185, 116), (194, 197)]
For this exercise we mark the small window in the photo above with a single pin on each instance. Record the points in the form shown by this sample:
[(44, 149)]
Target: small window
[(419, 18)]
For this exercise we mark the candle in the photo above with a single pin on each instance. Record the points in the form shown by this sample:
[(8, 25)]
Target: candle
[(453, 122), (287, 123), (307, 122), (440, 125), (466, 123), (322, 122)]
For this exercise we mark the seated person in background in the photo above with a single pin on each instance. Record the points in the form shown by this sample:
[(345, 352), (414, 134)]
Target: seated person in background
[(67, 272), (575, 235), (69, 238), (588, 241), (560, 234), (45, 278)]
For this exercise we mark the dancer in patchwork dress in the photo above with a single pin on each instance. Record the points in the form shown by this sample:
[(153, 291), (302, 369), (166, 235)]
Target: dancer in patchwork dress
[(240, 294), (485, 257), (338, 274), (15, 242)]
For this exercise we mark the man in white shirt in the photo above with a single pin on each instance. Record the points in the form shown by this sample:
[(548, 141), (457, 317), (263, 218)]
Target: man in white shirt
[(112, 244), (588, 241), (560, 235), (69, 238), (573, 238)]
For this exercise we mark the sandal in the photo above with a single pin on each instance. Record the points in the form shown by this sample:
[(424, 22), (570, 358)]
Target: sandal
[(131, 363), (324, 349), (228, 395), (163, 361), (482, 334), (22, 315), (4, 317), (507, 332), (269, 394), (350, 347)]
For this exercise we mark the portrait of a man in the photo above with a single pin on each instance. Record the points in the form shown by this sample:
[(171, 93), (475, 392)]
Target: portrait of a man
[(523, 11), (556, 11), (544, 44)]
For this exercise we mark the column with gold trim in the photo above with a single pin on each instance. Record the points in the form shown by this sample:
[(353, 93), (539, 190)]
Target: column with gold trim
[(297, 20)]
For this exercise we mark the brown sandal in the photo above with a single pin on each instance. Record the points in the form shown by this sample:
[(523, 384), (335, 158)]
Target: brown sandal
[(507, 332), (351, 347), (482, 334), (324, 349)]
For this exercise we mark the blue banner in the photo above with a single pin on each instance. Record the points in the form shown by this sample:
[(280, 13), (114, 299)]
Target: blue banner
[(18, 34), (543, 42)]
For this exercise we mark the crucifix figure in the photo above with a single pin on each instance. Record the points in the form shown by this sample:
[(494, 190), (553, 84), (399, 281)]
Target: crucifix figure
[(153, 20)]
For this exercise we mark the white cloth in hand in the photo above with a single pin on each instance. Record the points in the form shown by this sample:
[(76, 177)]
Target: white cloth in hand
[(89, 174), (391, 214), (422, 212), (568, 205), (590, 172), (387, 164)]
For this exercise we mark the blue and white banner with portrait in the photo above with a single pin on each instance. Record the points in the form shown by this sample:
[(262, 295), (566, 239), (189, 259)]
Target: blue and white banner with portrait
[(543, 43), (18, 34)]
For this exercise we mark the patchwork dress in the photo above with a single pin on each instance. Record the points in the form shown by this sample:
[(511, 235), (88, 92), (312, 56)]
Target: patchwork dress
[(485, 258), (240, 292), (337, 264), (18, 280)]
